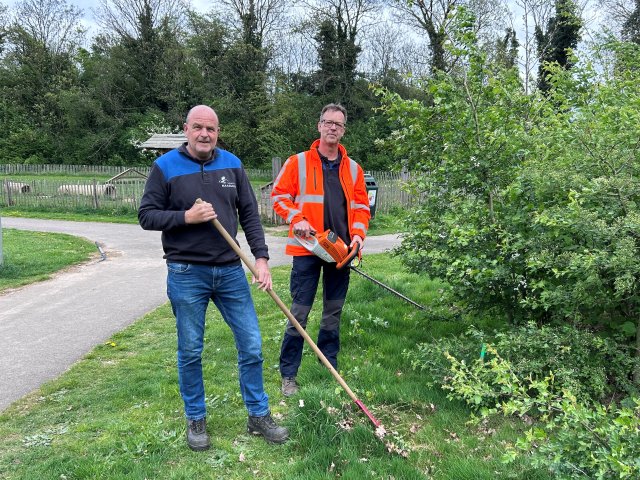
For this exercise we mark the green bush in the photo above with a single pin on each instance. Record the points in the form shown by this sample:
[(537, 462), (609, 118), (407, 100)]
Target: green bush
[(531, 200), (572, 439), (580, 442), (592, 367)]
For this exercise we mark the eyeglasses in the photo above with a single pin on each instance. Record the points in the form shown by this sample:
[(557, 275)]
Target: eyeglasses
[(331, 123)]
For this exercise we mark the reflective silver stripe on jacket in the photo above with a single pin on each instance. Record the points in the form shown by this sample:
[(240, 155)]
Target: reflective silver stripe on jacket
[(356, 206), (360, 226), (310, 198), (282, 196), (353, 167), (277, 199), (303, 197), (302, 182), (280, 173), (293, 213)]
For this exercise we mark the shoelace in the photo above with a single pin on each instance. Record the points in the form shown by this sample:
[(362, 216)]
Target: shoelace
[(198, 426), (269, 423)]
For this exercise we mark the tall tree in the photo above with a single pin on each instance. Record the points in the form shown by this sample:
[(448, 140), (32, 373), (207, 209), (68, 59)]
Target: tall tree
[(142, 40), (507, 49), (390, 53), (617, 13), (243, 103), (535, 13), (560, 37), (128, 19), (4, 20), (328, 61), (54, 24), (339, 27), (435, 17), (42, 39), (631, 27), (208, 42), (256, 19)]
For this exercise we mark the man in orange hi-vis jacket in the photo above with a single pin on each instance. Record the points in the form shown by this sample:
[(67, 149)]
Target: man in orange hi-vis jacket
[(317, 190)]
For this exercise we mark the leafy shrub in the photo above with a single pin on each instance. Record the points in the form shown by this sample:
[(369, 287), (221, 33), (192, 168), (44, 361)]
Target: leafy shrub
[(530, 202), (591, 367), (580, 442), (572, 438)]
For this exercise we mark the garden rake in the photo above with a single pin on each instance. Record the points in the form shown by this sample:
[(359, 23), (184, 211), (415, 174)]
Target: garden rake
[(243, 256)]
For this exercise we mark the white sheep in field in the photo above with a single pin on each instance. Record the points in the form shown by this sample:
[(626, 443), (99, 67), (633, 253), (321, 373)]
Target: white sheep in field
[(18, 187), (106, 190)]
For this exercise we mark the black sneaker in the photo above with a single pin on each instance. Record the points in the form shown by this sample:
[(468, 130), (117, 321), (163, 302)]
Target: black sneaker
[(266, 427), (197, 437), (289, 386)]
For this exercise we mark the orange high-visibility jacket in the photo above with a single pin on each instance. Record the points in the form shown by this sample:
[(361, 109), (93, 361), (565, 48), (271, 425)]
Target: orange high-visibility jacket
[(298, 194)]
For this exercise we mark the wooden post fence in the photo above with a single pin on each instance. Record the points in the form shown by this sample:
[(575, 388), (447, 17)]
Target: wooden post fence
[(71, 193), (8, 190), (95, 194), (276, 165), (1, 255)]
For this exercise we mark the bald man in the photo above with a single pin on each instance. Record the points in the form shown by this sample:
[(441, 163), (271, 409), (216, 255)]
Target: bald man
[(201, 266)]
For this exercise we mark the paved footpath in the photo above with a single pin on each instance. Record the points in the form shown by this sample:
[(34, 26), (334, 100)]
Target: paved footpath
[(47, 326)]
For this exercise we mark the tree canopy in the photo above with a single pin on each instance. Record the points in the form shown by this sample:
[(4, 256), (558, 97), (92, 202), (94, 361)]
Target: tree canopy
[(266, 66)]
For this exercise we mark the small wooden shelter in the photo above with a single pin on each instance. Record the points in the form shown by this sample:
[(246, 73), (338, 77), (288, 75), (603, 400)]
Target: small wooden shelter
[(163, 142), (129, 173)]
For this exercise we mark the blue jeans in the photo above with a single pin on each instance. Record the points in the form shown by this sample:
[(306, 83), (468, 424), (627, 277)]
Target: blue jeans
[(189, 288)]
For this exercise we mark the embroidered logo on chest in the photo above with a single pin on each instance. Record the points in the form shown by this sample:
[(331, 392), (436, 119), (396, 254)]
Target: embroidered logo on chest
[(224, 183)]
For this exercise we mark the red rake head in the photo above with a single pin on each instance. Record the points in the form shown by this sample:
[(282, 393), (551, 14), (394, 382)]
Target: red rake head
[(373, 419)]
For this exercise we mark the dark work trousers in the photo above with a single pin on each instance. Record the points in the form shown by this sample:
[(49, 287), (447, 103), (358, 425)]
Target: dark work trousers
[(305, 275)]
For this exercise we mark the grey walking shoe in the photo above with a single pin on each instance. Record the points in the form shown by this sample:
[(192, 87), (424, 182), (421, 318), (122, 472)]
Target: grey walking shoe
[(266, 427), (289, 386), (197, 437)]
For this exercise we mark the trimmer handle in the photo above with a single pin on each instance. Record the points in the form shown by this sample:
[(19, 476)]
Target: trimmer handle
[(350, 256)]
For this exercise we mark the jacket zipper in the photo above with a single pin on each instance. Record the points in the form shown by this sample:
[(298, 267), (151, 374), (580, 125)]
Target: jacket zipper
[(204, 175), (347, 199)]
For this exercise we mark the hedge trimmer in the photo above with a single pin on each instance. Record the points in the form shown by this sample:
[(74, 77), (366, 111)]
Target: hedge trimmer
[(331, 248)]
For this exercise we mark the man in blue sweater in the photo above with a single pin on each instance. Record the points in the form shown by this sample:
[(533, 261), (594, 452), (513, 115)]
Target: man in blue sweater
[(202, 266)]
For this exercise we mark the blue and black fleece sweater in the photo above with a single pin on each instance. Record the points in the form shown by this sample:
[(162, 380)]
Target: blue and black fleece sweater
[(175, 182)]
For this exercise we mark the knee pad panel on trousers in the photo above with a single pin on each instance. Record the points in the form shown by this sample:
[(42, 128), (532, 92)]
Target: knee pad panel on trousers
[(331, 314)]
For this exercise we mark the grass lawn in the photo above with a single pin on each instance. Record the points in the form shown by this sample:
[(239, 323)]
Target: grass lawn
[(117, 413), (89, 215), (33, 256)]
